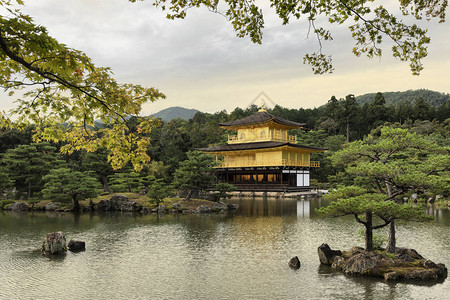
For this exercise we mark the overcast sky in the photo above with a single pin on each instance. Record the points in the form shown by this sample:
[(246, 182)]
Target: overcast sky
[(200, 63)]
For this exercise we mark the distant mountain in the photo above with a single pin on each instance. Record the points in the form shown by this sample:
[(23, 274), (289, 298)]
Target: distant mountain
[(175, 113), (431, 97)]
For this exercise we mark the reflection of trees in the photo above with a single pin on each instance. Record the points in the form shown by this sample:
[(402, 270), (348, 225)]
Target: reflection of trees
[(201, 230), (441, 216)]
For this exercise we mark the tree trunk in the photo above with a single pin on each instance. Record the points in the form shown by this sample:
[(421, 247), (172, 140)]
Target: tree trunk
[(391, 239), (76, 204), (369, 232), (105, 184), (189, 195), (348, 132), (29, 190)]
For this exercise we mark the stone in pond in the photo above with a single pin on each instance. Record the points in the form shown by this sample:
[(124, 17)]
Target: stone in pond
[(76, 246), (294, 263), (54, 243)]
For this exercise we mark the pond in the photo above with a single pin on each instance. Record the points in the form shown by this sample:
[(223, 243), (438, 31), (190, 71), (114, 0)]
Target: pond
[(243, 255)]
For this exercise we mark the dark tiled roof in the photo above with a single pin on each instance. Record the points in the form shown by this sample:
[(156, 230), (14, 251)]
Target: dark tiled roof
[(256, 145), (261, 117)]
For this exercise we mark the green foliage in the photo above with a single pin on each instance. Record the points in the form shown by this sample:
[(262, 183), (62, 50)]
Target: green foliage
[(368, 24), (65, 185), (27, 164), (196, 173), (397, 161), (157, 169), (13, 137), (5, 203), (391, 162), (6, 182), (97, 162), (61, 85), (223, 189), (407, 97), (126, 181), (158, 190)]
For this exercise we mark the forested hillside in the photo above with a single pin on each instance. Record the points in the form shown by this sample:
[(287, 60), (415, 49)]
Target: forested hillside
[(431, 97), (175, 113)]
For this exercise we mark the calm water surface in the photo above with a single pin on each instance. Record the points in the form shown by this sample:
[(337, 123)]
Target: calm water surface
[(238, 256)]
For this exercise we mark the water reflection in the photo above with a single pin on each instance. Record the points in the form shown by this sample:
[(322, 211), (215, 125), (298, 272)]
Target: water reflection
[(241, 255), (269, 207)]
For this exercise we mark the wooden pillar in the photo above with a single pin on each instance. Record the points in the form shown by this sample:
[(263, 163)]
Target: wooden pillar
[(281, 178)]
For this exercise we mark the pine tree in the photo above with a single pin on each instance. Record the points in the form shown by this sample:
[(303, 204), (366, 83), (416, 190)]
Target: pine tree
[(66, 185)]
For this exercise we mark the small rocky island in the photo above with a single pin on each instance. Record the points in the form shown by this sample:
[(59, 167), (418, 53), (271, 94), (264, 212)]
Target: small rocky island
[(404, 264)]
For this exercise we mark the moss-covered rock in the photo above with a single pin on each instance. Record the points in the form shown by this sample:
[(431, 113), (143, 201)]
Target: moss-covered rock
[(405, 264)]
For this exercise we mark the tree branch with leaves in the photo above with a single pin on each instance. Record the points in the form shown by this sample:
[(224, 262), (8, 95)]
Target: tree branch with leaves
[(368, 23), (64, 93)]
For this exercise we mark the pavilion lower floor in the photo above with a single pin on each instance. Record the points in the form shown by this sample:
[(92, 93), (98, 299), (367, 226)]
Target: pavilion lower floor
[(283, 179)]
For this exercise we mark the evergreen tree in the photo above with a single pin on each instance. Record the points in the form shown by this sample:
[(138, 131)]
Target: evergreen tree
[(158, 190), (27, 164), (348, 114), (390, 163), (443, 111), (364, 206), (195, 174), (97, 162), (403, 111), (6, 183), (421, 110), (66, 185), (125, 181), (223, 189), (377, 112)]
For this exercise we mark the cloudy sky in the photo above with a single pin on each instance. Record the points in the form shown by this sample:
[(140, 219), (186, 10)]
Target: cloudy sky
[(200, 63)]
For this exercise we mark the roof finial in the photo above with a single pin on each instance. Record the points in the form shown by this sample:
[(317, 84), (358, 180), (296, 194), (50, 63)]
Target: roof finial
[(263, 107)]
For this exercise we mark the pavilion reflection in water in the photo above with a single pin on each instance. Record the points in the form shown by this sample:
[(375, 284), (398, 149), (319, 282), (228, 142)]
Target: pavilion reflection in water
[(302, 208)]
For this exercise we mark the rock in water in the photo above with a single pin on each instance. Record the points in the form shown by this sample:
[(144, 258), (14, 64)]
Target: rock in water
[(18, 206), (54, 243), (117, 201), (203, 209), (76, 246), (130, 206), (326, 255), (103, 205), (362, 263), (52, 206), (219, 206), (232, 206), (294, 263)]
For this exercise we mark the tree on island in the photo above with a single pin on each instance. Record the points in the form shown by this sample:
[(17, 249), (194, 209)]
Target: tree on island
[(388, 164), (365, 206), (66, 185), (195, 174)]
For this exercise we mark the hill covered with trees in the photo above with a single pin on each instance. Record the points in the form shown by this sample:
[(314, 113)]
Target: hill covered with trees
[(433, 98), (175, 113)]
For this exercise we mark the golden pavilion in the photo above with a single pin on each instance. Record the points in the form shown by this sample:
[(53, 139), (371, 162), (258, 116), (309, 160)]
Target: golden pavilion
[(263, 156)]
